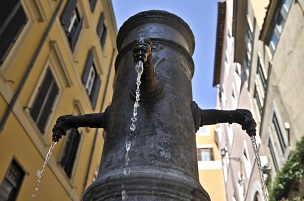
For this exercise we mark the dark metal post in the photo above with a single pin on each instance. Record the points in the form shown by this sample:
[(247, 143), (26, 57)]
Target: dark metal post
[(163, 160)]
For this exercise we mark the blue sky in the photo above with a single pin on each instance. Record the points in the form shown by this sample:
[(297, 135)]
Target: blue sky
[(201, 15)]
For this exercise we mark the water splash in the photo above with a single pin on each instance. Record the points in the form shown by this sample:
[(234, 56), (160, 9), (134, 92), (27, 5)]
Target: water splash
[(139, 69), (256, 152), (46, 160)]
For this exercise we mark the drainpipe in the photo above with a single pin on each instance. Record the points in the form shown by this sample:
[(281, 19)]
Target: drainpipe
[(29, 68), (96, 132)]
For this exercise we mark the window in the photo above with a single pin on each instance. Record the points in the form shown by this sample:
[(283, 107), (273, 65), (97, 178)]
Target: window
[(92, 4), (91, 80), (71, 22), (248, 48), (12, 21), (246, 161), (279, 21), (257, 100), (205, 154), (278, 132), (273, 155), (44, 101), (70, 151), (261, 76), (12, 182), (102, 30)]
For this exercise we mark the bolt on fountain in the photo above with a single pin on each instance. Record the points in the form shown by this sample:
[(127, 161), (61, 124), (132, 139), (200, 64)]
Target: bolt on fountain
[(155, 158)]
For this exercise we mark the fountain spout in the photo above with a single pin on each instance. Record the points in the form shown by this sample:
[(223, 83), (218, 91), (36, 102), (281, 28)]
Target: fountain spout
[(142, 54)]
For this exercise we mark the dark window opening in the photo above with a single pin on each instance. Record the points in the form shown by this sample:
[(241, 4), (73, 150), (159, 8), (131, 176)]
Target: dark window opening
[(258, 100), (70, 151), (248, 47), (261, 75), (11, 183), (12, 20), (44, 101), (102, 30)]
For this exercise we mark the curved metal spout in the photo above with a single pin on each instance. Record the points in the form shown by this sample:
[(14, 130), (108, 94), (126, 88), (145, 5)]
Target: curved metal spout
[(142, 52)]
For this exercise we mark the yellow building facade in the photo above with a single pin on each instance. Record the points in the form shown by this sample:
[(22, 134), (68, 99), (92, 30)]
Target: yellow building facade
[(209, 163), (57, 57)]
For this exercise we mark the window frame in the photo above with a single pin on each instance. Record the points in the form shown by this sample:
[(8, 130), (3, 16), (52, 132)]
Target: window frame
[(16, 185), (205, 154)]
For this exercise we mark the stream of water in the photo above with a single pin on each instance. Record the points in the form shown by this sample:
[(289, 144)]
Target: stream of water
[(139, 69), (46, 160), (256, 152)]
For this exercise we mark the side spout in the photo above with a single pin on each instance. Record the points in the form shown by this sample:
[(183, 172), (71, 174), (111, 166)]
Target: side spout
[(142, 52), (209, 117)]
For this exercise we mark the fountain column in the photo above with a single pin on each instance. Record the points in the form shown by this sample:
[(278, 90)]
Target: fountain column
[(162, 158)]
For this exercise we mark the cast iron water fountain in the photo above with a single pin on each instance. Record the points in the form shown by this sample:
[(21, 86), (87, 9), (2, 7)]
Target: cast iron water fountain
[(155, 157)]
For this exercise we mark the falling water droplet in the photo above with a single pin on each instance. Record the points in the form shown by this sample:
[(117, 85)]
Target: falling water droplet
[(124, 195), (128, 145), (133, 119), (127, 172), (47, 158), (136, 104), (132, 127), (127, 158), (135, 112)]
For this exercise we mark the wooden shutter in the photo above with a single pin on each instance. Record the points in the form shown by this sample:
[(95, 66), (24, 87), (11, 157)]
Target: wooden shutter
[(67, 13), (103, 37), (95, 91), (75, 34), (100, 26), (43, 89), (70, 151), (11, 30), (87, 67), (102, 30), (45, 98), (47, 107)]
